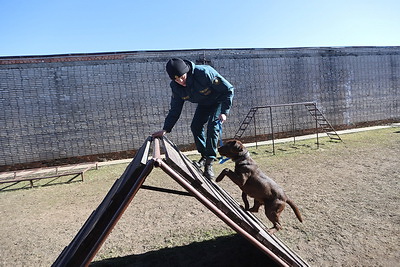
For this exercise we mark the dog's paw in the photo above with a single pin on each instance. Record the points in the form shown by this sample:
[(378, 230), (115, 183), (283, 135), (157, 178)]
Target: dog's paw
[(272, 230), (219, 178), (222, 175), (255, 210)]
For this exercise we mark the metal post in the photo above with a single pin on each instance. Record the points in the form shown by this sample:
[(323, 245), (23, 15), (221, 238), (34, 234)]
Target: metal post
[(272, 131), (156, 152), (316, 123), (255, 130), (294, 136)]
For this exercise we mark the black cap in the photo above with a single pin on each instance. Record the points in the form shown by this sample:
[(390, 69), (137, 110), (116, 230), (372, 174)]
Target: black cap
[(176, 67)]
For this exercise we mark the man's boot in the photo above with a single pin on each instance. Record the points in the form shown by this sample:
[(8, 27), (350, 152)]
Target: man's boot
[(208, 170), (200, 164)]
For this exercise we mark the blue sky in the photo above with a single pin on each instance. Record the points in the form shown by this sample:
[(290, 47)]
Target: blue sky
[(46, 27)]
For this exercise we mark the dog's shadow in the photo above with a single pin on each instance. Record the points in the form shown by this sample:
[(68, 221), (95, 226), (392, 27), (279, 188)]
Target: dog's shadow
[(231, 251)]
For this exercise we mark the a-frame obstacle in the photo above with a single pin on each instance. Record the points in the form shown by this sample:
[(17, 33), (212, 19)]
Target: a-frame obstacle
[(98, 226)]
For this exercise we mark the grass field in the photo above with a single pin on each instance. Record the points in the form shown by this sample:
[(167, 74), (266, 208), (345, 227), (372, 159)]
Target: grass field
[(347, 192)]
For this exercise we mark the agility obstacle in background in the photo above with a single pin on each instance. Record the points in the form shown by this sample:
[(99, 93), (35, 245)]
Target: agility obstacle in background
[(98, 226)]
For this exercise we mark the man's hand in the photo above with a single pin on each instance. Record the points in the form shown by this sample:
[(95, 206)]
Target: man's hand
[(222, 117), (159, 133)]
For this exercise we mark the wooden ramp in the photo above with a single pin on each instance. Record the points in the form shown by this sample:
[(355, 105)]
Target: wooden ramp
[(94, 232)]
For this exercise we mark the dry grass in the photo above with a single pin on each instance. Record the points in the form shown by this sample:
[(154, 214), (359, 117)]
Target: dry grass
[(347, 193)]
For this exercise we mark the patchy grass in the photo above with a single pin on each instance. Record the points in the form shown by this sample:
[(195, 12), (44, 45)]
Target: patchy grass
[(347, 193)]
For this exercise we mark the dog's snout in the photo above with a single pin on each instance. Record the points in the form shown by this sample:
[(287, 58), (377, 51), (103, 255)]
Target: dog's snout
[(221, 149)]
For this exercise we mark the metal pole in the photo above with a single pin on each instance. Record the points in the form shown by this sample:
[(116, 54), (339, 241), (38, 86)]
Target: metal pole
[(255, 130), (316, 123), (272, 131), (156, 152), (294, 136)]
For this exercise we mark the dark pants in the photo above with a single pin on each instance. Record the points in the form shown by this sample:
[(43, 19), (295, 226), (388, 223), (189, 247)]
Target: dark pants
[(206, 143)]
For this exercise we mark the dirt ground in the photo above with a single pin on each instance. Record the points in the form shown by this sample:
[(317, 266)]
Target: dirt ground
[(348, 194)]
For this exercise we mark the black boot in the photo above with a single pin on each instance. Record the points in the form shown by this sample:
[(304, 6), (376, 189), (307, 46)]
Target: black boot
[(208, 170), (200, 164)]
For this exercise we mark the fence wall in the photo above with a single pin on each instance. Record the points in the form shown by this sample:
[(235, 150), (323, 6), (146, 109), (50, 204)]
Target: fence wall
[(66, 106)]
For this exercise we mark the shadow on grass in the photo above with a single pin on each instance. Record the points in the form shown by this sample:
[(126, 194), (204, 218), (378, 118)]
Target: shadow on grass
[(230, 251)]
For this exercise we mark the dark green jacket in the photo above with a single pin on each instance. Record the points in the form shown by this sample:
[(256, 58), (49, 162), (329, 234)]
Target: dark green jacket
[(205, 86)]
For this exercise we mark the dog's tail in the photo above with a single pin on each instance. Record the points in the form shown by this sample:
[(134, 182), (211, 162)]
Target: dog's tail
[(295, 209)]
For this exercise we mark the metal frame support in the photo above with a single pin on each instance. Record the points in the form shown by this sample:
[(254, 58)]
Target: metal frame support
[(314, 113)]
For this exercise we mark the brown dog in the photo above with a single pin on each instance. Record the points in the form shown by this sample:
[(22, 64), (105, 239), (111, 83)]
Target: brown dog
[(254, 183)]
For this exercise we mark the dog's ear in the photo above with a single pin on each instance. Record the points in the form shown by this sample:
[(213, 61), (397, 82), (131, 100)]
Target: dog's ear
[(237, 145)]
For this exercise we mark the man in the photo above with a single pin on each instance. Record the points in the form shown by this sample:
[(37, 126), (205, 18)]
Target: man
[(203, 85)]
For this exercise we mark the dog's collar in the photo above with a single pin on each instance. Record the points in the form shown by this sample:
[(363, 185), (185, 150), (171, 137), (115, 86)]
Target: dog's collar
[(240, 158)]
